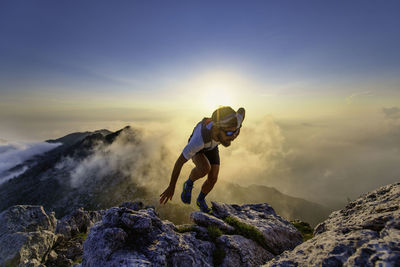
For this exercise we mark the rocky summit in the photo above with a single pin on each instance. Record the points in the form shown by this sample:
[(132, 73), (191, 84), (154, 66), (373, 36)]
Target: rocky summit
[(365, 233), (247, 235)]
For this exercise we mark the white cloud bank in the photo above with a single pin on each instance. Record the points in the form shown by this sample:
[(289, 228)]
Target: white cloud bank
[(327, 160), (14, 153)]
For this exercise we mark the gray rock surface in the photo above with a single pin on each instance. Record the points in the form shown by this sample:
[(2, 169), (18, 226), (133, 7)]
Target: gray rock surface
[(139, 238), (77, 222), (71, 231), (240, 251), (204, 219), (26, 235), (279, 234), (126, 237), (365, 233)]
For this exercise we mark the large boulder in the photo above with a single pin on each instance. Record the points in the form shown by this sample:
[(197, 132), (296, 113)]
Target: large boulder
[(237, 249), (139, 238), (26, 235), (365, 233), (126, 237), (278, 233), (240, 251)]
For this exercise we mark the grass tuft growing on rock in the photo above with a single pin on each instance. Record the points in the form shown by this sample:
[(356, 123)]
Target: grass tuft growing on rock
[(82, 236), (77, 261), (304, 228), (246, 230), (214, 232), (185, 229)]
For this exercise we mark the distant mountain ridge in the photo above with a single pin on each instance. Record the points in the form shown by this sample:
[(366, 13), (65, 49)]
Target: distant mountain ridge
[(285, 205), (73, 138), (36, 186), (46, 183)]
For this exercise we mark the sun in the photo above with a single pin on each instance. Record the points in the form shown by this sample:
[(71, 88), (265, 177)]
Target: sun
[(218, 91), (213, 98), (206, 91)]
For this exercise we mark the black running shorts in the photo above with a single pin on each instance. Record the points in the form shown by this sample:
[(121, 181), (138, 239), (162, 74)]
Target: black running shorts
[(211, 155)]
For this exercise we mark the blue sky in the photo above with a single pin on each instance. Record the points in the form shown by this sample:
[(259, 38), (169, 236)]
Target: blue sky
[(63, 54), (65, 40)]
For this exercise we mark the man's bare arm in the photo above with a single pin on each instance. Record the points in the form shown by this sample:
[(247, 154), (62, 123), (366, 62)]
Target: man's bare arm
[(169, 192), (177, 170)]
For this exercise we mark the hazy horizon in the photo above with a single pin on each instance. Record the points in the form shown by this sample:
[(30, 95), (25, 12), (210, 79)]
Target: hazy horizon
[(327, 161)]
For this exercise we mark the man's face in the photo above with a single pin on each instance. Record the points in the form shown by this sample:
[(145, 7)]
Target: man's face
[(223, 138)]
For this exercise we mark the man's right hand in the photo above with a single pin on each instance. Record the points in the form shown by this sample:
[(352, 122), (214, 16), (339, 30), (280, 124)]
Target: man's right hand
[(167, 195)]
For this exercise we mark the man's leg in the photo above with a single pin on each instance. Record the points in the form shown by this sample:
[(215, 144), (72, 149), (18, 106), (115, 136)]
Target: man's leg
[(202, 167), (213, 157), (206, 188), (200, 170), (211, 179)]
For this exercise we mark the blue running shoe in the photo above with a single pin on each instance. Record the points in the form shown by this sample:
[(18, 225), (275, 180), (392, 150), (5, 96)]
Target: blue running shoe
[(203, 206), (186, 195)]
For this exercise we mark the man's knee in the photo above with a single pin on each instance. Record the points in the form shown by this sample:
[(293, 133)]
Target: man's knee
[(204, 169)]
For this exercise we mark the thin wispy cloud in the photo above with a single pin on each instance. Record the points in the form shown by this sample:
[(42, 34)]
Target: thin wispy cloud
[(392, 113), (350, 99)]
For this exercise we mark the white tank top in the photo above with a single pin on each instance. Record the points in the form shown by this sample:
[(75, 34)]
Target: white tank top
[(196, 142)]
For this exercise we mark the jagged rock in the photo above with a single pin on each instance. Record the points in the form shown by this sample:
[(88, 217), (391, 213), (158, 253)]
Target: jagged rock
[(204, 219), (279, 234), (365, 233), (58, 260), (139, 238), (137, 205), (52, 255), (201, 232), (72, 230), (240, 251), (26, 235), (126, 237), (77, 222)]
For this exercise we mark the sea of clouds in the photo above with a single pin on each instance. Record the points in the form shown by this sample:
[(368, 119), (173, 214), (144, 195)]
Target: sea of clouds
[(325, 160)]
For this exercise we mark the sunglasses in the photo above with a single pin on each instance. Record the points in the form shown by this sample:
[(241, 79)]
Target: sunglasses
[(230, 133)]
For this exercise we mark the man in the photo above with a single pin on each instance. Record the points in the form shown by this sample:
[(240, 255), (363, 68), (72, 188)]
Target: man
[(222, 128)]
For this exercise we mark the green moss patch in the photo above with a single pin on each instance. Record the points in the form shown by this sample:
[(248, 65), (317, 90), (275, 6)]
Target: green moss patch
[(304, 228), (185, 229), (247, 230), (81, 236), (77, 261)]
